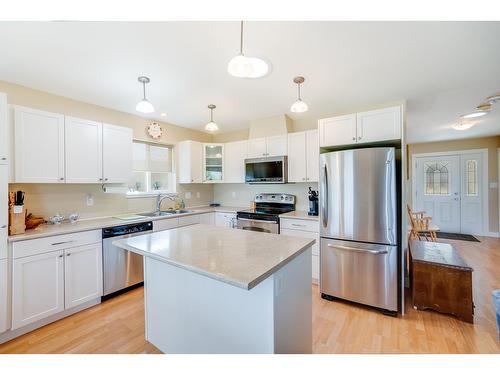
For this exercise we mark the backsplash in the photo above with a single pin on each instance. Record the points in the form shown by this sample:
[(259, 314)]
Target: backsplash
[(48, 199), (243, 194)]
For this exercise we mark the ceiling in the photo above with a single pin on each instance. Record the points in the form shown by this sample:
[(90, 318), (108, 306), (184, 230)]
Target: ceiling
[(442, 69)]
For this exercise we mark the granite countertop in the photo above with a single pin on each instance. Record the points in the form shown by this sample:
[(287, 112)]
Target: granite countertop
[(237, 257), (302, 215), (46, 230)]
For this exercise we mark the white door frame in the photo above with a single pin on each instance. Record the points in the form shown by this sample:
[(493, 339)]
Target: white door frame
[(484, 153)]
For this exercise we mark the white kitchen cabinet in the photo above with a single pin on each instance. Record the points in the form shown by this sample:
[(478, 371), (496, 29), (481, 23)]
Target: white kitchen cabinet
[(213, 162), (235, 154), (82, 274), (189, 220), (116, 153), (208, 218), (4, 135), (37, 287), (225, 219), (379, 125), (190, 156), (257, 147), (277, 145), (4, 207), (3, 296), (303, 156), (383, 124), (83, 150), (312, 160), (335, 131), (304, 229), (268, 146), (164, 224), (39, 146)]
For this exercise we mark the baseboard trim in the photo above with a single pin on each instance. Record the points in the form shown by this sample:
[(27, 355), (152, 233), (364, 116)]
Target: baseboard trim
[(9, 335), (492, 234)]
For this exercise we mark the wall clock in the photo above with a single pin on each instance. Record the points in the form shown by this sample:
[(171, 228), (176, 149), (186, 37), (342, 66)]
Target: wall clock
[(154, 130)]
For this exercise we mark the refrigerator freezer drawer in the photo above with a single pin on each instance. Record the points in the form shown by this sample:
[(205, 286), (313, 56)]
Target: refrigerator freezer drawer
[(360, 272)]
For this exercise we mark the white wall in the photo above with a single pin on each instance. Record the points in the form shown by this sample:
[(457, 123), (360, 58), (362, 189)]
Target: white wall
[(244, 193)]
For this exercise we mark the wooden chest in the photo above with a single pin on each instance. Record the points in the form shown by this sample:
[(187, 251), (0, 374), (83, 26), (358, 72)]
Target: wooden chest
[(440, 279)]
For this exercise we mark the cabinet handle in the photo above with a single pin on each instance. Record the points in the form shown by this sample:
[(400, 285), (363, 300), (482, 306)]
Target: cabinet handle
[(359, 138), (61, 179), (60, 256), (60, 243), (68, 254), (100, 179), (105, 179), (4, 159), (353, 138), (298, 225), (3, 226)]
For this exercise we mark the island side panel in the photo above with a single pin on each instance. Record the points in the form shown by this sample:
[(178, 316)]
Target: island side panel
[(293, 306), (190, 313)]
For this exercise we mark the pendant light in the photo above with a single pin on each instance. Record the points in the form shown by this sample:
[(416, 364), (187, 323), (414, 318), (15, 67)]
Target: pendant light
[(211, 126), (299, 106), (242, 66), (144, 106)]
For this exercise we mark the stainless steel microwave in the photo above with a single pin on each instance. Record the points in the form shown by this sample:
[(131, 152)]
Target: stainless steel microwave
[(270, 170)]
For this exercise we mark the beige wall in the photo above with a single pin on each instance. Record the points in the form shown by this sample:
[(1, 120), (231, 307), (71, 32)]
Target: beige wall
[(490, 143), (48, 199)]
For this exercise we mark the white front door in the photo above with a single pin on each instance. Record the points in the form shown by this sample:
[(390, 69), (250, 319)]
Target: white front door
[(449, 188), (438, 190)]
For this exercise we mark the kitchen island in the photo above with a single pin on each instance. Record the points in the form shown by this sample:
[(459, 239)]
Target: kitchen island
[(218, 290)]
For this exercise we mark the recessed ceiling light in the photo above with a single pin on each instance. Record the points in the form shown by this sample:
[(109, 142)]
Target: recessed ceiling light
[(463, 125), (475, 114), (163, 114)]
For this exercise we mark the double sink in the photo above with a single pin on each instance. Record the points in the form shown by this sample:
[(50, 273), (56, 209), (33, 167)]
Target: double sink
[(165, 213)]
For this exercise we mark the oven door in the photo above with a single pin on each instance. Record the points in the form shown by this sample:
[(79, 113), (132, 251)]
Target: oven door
[(258, 225)]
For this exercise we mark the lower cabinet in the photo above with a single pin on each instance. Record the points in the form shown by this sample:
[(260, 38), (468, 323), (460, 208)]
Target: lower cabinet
[(46, 284), (189, 220), (208, 218), (3, 295), (225, 219), (306, 229), (82, 274)]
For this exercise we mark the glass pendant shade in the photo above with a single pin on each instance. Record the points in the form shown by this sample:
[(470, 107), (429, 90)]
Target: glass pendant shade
[(299, 106), (211, 127), (144, 106), (247, 67)]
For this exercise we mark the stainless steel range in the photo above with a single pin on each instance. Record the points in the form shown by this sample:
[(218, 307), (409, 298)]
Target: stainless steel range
[(265, 216)]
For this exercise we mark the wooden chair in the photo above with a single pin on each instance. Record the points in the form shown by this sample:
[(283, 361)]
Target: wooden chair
[(421, 227)]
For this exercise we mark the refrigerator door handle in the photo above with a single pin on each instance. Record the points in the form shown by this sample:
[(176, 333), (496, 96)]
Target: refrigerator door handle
[(354, 249), (324, 198)]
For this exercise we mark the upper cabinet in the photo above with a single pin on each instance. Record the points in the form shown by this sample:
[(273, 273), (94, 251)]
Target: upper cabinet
[(269, 146), (50, 147), (213, 162), (235, 154), (190, 156), (303, 156), (3, 129), (83, 150), (39, 146), (116, 153), (363, 127)]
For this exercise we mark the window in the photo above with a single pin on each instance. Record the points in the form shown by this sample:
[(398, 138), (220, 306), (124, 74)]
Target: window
[(436, 178), (471, 177), (153, 169)]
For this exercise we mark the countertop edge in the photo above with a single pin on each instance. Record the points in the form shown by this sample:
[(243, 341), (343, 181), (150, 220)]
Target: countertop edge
[(247, 286)]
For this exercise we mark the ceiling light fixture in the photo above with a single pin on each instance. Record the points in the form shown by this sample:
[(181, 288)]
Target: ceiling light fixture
[(463, 125), (299, 106), (144, 106), (493, 98), (477, 113), (163, 114), (211, 126), (242, 66)]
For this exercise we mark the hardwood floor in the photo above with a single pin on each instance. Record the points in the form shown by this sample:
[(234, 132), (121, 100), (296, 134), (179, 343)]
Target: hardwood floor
[(117, 325)]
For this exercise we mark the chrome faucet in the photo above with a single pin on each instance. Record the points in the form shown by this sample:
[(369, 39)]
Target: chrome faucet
[(161, 197)]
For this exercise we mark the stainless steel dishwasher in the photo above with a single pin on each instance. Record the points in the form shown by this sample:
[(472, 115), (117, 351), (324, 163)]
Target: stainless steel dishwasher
[(122, 269)]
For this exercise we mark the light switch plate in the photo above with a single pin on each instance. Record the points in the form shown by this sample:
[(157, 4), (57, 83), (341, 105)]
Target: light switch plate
[(493, 185), (233, 194), (89, 200), (187, 195)]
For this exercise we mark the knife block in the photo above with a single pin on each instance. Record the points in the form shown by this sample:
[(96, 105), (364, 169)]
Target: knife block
[(17, 220)]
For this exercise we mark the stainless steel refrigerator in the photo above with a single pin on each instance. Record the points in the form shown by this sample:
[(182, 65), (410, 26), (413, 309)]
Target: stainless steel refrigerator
[(358, 227)]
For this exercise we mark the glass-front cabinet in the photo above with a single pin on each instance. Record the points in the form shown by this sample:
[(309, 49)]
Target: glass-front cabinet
[(213, 162)]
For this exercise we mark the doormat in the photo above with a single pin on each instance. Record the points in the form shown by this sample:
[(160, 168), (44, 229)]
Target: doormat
[(457, 236)]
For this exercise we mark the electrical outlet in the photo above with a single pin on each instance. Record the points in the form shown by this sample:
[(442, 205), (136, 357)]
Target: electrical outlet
[(90, 200), (198, 195), (233, 194), (187, 195)]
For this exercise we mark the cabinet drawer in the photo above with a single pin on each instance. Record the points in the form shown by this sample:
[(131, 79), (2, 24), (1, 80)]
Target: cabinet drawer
[(189, 220), (296, 224), (303, 234), (43, 245), (165, 224)]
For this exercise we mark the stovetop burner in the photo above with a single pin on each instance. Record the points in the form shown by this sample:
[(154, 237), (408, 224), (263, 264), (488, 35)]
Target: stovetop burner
[(269, 206)]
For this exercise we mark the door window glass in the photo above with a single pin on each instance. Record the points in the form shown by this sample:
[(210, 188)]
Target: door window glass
[(436, 178), (471, 177)]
